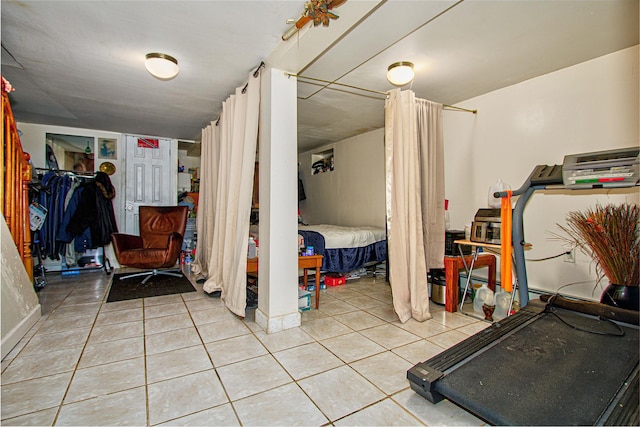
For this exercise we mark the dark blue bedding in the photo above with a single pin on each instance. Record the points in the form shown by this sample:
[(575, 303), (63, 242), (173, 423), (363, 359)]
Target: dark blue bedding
[(343, 260)]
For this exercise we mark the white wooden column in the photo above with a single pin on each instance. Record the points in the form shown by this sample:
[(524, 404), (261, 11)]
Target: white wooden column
[(278, 234)]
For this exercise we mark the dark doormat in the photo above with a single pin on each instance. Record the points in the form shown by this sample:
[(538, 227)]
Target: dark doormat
[(122, 290)]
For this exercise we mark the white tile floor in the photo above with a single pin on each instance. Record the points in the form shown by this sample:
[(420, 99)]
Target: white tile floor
[(186, 360)]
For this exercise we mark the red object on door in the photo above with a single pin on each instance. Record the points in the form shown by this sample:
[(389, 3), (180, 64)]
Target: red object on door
[(148, 143)]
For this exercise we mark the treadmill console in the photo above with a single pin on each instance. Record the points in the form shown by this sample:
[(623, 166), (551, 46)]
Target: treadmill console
[(602, 169)]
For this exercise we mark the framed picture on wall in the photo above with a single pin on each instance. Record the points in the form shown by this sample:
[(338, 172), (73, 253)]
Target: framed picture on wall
[(107, 148)]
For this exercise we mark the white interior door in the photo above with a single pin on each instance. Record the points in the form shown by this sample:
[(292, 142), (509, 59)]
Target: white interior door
[(151, 176)]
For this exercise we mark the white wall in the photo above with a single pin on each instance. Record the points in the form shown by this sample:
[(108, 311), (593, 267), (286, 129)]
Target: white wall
[(588, 107), (277, 276), (20, 307), (353, 193), (188, 161)]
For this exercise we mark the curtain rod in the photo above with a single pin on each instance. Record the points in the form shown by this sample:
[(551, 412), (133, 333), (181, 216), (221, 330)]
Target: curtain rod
[(86, 174), (452, 107), (256, 73)]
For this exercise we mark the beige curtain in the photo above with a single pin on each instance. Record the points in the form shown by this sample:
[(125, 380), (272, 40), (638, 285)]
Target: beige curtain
[(414, 156), (210, 156), (225, 201)]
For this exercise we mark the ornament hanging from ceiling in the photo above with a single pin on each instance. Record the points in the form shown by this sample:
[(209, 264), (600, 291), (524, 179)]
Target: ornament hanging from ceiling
[(318, 11)]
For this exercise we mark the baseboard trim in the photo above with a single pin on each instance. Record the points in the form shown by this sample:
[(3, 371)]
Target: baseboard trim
[(276, 324), (20, 330)]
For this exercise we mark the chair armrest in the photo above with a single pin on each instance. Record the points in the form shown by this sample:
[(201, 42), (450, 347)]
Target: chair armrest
[(174, 246), (123, 242)]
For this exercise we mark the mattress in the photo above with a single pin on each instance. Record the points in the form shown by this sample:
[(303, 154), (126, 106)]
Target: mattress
[(345, 248), (336, 237)]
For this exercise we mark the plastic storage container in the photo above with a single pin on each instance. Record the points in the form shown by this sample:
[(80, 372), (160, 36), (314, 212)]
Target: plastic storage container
[(252, 248), (304, 300), (484, 295), (334, 279), (447, 218), (501, 301), (494, 202)]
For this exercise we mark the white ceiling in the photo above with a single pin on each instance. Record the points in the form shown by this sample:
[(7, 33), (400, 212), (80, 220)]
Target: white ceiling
[(80, 63)]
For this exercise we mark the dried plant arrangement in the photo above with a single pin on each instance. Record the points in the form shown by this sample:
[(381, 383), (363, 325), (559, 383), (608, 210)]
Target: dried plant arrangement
[(610, 235)]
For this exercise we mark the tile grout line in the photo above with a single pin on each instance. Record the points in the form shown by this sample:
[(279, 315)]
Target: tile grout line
[(146, 375), (213, 366), (75, 369)]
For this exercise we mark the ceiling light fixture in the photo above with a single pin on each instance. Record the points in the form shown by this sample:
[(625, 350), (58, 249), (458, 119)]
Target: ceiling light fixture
[(400, 73), (161, 65)]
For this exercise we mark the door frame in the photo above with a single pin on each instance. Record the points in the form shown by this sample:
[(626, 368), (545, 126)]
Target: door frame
[(173, 164)]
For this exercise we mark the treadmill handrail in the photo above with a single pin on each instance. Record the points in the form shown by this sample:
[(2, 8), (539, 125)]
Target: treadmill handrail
[(517, 233), (517, 230)]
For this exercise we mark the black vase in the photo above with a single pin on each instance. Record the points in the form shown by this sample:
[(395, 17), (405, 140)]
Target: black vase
[(621, 296)]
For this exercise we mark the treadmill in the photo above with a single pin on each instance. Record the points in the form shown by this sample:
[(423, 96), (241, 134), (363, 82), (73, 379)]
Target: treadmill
[(557, 361), (548, 364)]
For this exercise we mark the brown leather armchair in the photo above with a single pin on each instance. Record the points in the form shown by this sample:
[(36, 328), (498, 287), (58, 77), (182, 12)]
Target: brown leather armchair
[(158, 246)]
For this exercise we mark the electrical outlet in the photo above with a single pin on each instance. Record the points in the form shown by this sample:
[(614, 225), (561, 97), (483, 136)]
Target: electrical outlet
[(570, 256)]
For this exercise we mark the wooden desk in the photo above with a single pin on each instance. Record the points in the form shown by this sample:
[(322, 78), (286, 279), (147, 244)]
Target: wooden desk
[(252, 265), (304, 262), (452, 266)]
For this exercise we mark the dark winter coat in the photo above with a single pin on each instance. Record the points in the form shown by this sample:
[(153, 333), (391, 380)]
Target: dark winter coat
[(95, 210)]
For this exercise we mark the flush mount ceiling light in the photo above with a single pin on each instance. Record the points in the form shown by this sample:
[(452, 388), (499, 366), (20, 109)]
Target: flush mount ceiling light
[(161, 65), (400, 73)]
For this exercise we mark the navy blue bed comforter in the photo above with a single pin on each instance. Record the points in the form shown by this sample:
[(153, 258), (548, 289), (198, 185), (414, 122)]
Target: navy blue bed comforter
[(343, 260)]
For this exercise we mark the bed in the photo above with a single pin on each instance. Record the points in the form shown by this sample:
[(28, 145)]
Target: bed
[(345, 248)]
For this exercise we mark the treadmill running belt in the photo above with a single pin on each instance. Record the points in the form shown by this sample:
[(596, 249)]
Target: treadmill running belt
[(547, 373)]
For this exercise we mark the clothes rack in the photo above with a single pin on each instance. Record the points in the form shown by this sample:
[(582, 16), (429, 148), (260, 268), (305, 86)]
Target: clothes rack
[(79, 219), (87, 174)]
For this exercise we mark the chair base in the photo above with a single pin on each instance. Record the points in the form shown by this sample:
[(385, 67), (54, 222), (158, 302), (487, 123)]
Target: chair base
[(154, 272)]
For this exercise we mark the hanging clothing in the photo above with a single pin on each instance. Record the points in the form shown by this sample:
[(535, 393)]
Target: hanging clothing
[(81, 242), (73, 246), (79, 213), (95, 211), (55, 187), (301, 194)]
